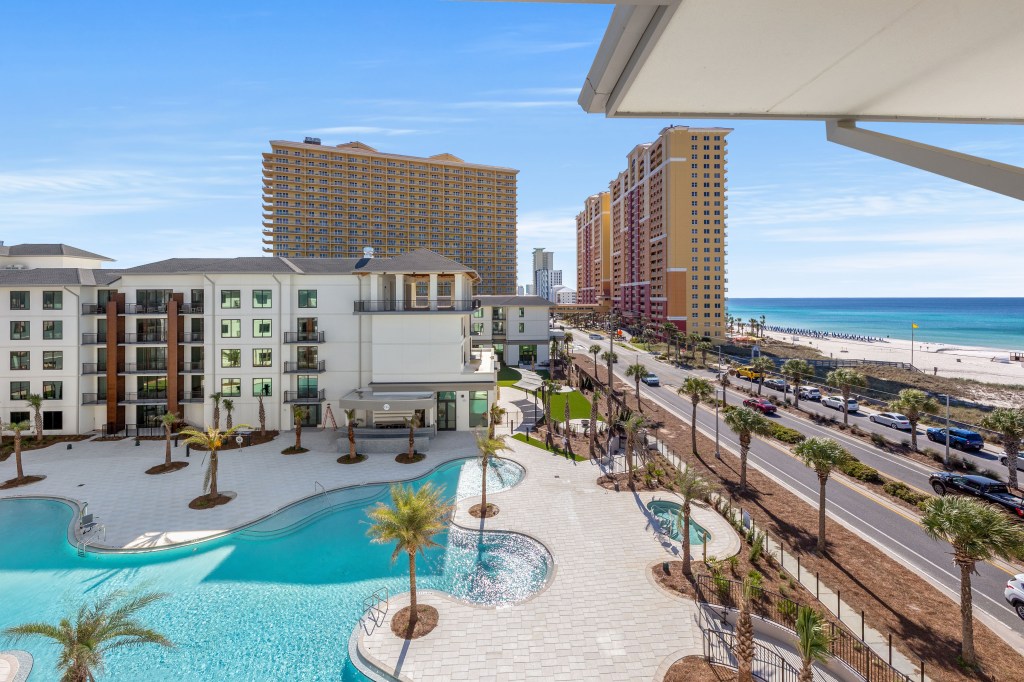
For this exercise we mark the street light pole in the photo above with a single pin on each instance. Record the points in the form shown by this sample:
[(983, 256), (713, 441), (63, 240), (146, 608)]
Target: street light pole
[(718, 453), (946, 459)]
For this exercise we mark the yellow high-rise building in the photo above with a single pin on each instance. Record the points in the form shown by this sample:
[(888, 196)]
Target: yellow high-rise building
[(323, 201), (666, 254)]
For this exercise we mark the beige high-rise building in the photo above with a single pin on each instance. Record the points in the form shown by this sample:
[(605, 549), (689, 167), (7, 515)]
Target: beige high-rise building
[(322, 201), (667, 225), (593, 252)]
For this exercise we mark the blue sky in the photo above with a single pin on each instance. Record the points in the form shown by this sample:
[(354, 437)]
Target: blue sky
[(135, 130)]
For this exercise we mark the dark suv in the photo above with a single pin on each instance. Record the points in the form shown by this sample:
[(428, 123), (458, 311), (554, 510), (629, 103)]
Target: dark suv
[(988, 489)]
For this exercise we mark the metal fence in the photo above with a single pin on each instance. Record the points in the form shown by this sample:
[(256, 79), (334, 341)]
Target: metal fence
[(768, 665)]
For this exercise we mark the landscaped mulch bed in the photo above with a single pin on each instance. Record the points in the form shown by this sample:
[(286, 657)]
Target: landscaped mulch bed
[(345, 459), (292, 450), (208, 502), (166, 468), (426, 621), (18, 482), (895, 598), (696, 669), (477, 513), (230, 444), (404, 458), (28, 442)]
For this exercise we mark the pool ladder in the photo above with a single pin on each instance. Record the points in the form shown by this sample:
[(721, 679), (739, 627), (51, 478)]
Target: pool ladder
[(317, 485), (83, 543), (375, 609)]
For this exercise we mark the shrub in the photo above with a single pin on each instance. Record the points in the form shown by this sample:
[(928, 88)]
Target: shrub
[(862, 472), (787, 611), (756, 548), (902, 491), (936, 456), (991, 473), (786, 434), (756, 582), (879, 440), (734, 564), (905, 442), (722, 586), (856, 430)]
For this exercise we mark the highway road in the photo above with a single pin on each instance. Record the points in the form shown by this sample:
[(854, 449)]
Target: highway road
[(890, 526)]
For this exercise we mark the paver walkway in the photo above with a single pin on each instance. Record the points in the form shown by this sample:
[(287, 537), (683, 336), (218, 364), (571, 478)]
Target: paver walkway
[(600, 616)]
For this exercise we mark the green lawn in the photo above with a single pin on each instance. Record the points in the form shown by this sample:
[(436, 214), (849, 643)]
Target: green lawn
[(523, 438), (579, 406)]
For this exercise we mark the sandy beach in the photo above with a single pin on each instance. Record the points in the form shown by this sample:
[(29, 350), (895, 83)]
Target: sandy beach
[(966, 362)]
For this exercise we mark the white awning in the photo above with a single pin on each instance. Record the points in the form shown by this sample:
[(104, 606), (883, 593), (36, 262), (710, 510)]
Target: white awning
[(531, 381)]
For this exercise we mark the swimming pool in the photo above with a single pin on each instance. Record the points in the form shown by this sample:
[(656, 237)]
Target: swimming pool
[(276, 600), (667, 514)]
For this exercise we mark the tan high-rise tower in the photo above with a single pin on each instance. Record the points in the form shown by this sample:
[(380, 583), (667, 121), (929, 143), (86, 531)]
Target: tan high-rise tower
[(332, 202), (667, 224)]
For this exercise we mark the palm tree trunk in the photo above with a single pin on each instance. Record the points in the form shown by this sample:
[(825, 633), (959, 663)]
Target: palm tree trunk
[(351, 441), (262, 417), (744, 447), (913, 433), (593, 427), (414, 609), (806, 672), (213, 473), (796, 394), (822, 480), (744, 645), (684, 537), (1011, 449), (629, 455), (167, 449), (298, 434), (846, 407), (760, 384), (967, 614), (638, 405), (216, 416), (483, 490), (229, 420), (693, 426), (17, 454), (39, 425)]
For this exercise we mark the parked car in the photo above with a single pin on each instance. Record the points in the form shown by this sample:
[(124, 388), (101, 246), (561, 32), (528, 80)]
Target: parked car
[(836, 403), (1014, 594), (893, 420), (777, 384), (651, 380), (983, 487), (596, 337), (1005, 461), (760, 404), (809, 393), (749, 374), (961, 439)]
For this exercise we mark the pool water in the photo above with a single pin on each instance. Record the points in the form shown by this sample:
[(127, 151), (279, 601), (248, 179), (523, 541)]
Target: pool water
[(277, 600), (667, 514)]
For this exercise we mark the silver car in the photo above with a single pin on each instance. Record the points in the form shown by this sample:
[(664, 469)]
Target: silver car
[(893, 420), (836, 403), (1014, 593)]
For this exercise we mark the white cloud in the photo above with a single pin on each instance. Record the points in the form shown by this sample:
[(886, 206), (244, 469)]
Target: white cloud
[(365, 130), (513, 104)]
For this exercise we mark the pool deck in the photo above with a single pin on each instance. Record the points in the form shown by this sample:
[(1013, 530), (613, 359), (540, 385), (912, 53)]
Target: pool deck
[(600, 617), (141, 511)]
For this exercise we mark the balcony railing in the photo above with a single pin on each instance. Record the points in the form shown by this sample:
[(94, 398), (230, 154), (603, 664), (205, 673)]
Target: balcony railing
[(192, 337), (145, 397), (416, 305), (146, 337), (94, 367), (307, 396), (142, 368), (192, 397), (303, 337), (90, 338), (94, 309), (192, 368), (145, 308), (304, 367), (191, 309), (91, 399)]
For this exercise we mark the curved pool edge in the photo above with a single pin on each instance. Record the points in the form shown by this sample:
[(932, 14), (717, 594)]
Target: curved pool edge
[(76, 506)]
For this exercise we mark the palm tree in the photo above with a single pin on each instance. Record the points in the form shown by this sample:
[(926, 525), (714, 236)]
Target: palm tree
[(350, 419), (845, 379), (745, 633), (697, 390), (594, 350), (17, 428), (494, 417), (691, 487), (745, 422), (704, 347), (412, 422), (753, 325), (813, 643), (168, 419), (566, 416), (977, 532), (637, 371), (411, 522), (229, 407), (299, 415), (668, 330), (631, 425), (762, 366), (488, 448), (216, 398), (692, 339), (593, 421), (104, 626), (913, 404), (796, 371), (1010, 425), (262, 415), (212, 439), (760, 324), (548, 387), (822, 455), (35, 401)]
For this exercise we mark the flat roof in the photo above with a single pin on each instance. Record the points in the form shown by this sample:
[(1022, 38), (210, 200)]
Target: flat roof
[(361, 149)]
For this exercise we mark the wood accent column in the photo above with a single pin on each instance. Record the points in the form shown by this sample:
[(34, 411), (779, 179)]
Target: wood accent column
[(175, 324), (115, 360)]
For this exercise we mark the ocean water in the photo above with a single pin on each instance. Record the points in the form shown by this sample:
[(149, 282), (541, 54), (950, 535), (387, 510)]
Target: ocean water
[(989, 322)]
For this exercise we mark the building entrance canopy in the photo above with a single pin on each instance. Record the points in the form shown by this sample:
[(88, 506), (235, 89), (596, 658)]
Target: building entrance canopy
[(364, 399)]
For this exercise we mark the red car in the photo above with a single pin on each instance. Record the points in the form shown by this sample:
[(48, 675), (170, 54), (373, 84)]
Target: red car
[(760, 404)]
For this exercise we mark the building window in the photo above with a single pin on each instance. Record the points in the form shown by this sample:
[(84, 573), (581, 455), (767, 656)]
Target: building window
[(231, 388), (522, 312), (19, 359), (19, 330), (262, 357), (53, 359), (19, 390), (522, 328), (231, 329), (230, 357), (53, 421), (19, 300), (52, 330), (477, 408), (307, 298), (20, 418), (260, 328), (478, 313), (230, 298), (477, 329), (262, 387), (261, 298), (53, 390), (53, 300)]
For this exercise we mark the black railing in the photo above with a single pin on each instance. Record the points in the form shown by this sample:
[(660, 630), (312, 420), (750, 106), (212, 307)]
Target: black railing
[(91, 399), (192, 368), (146, 337), (190, 309), (192, 397), (300, 367), (306, 396), (89, 338), (133, 430), (142, 367), (415, 305), (719, 646), (94, 309), (192, 337), (303, 337), (145, 308), (145, 396), (94, 367)]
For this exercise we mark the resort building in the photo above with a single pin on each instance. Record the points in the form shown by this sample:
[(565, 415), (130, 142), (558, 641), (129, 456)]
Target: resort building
[(667, 222), (564, 296), (518, 328), (112, 350), (593, 252), (322, 201)]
